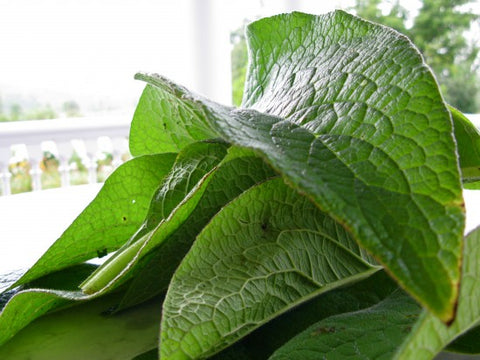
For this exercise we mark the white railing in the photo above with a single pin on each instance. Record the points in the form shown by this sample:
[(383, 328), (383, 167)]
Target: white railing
[(89, 137)]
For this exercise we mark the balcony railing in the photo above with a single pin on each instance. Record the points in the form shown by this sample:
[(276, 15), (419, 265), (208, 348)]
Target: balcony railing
[(89, 138), (32, 142)]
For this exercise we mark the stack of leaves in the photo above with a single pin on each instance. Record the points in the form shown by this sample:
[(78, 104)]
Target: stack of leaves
[(322, 219)]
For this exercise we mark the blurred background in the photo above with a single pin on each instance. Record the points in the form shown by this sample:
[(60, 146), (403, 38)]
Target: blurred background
[(66, 58), (71, 63)]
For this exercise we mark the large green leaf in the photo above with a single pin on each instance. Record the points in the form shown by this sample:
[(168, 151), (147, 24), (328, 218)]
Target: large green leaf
[(261, 343), (180, 192), (395, 328), (47, 293), (264, 253), (171, 206), (349, 114), (377, 138), (372, 333), (468, 143), (238, 171), (430, 336), (191, 165), (155, 127), (110, 219), (86, 332)]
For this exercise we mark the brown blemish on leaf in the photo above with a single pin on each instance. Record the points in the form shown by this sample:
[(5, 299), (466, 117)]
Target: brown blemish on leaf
[(323, 330)]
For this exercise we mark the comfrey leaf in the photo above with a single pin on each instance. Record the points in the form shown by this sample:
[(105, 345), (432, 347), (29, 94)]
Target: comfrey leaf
[(237, 172), (347, 112), (171, 205), (396, 327), (267, 251), (468, 143), (429, 335)]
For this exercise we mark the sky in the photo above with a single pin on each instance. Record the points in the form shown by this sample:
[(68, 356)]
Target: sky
[(89, 50)]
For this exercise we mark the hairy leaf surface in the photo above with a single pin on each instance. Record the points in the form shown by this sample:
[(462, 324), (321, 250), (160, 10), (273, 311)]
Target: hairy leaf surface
[(430, 336), (170, 208), (265, 252), (372, 333), (395, 328), (361, 128), (238, 171), (261, 343)]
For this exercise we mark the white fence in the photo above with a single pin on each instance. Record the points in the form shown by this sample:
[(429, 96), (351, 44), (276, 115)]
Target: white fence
[(90, 138)]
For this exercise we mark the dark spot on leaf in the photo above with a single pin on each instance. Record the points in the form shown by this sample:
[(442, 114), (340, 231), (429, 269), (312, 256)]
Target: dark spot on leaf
[(323, 330), (124, 218), (264, 226), (101, 253), (164, 126), (109, 311), (407, 329)]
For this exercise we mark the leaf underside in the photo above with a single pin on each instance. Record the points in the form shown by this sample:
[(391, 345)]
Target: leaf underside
[(232, 177), (372, 333), (395, 327), (250, 264), (358, 126)]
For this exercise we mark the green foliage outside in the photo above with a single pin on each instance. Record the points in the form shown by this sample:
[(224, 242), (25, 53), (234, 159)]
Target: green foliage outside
[(21, 178), (322, 219), (41, 112), (438, 32), (17, 113), (71, 109), (50, 177)]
